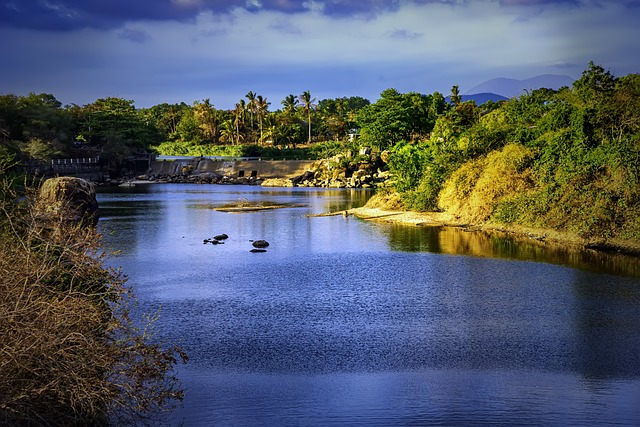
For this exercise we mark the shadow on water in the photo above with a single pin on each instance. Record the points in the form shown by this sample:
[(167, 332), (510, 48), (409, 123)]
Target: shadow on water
[(457, 241)]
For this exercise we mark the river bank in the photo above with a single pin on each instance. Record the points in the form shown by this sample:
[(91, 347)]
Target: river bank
[(445, 219)]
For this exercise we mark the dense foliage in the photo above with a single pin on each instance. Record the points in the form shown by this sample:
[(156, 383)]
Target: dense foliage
[(577, 148), (567, 159), (71, 352), (37, 128)]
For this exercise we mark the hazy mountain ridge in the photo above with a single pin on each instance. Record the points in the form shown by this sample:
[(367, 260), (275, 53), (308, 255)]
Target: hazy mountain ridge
[(509, 88), (483, 97)]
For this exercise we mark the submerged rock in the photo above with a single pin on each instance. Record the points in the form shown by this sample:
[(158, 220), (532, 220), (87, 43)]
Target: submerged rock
[(213, 241), (256, 251), (221, 237)]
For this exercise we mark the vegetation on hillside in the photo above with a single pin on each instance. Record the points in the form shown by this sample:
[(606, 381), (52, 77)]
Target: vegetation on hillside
[(567, 159), (71, 351)]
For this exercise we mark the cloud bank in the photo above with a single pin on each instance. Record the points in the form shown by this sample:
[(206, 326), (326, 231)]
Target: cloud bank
[(185, 50)]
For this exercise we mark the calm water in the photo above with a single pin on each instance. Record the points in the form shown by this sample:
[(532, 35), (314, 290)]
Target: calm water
[(347, 322)]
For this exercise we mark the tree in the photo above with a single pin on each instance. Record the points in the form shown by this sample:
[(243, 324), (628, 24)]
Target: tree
[(206, 116), (239, 116), (396, 117), (455, 96), (227, 131), (290, 103), (594, 85), (188, 128), (307, 106), (251, 106), (261, 106)]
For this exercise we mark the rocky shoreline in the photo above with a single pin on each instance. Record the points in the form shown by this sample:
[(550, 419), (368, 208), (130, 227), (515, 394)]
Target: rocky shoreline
[(341, 171)]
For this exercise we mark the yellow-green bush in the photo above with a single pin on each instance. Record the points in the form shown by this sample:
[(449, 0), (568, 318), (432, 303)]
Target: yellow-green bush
[(474, 190)]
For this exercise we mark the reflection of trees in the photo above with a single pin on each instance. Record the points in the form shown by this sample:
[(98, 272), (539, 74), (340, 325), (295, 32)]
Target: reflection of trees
[(413, 239), (458, 241), (341, 199)]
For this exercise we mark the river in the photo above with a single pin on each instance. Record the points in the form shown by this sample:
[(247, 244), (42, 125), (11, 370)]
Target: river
[(346, 322)]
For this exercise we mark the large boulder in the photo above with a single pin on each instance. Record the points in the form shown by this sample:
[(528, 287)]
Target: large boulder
[(68, 199)]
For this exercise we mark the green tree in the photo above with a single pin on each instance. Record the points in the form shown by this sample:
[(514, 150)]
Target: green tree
[(290, 103), (307, 106), (396, 117), (262, 109), (206, 116), (455, 96), (252, 106)]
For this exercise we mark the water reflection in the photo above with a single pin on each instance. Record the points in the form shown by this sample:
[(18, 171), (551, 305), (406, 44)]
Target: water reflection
[(606, 325), (458, 241), (351, 322)]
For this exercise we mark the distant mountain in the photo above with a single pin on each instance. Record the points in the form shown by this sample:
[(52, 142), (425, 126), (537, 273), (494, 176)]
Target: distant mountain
[(481, 98), (512, 87)]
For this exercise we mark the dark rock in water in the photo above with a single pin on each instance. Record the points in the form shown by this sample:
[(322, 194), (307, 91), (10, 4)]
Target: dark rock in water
[(257, 251), (260, 244), (221, 237), (213, 242)]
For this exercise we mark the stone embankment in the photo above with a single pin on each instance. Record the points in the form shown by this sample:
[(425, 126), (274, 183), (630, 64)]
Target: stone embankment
[(340, 171), (336, 172)]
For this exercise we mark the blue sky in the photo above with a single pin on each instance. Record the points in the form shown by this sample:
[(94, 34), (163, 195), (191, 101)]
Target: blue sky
[(154, 51)]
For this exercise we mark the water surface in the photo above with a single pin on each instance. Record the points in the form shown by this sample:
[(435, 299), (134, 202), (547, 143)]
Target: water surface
[(348, 322)]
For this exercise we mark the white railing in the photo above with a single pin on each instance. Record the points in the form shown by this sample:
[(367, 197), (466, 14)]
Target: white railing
[(84, 160)]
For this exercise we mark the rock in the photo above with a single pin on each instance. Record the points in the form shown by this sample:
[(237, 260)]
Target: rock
[(221, 237), (70, 199), (260, 244), (213, 241), (302, 178), (385, 156), (255, 251), (277, 182)]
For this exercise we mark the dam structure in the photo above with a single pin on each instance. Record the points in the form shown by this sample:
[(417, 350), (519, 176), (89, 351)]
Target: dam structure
[(234, 167)]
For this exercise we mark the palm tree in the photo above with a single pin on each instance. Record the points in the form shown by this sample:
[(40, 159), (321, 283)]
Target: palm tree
[(251, 105), (261, 108), (290, 102), (227, 131), (307, 106), (239, 117)]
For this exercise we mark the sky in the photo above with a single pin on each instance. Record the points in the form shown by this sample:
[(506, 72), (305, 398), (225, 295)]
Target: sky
[(157, 51)]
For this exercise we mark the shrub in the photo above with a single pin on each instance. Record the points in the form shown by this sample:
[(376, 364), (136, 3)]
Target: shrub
[(475, 189), (71, 353)]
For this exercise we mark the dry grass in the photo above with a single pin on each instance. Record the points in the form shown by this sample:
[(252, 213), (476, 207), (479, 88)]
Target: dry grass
[(474, 190), (70, 353)]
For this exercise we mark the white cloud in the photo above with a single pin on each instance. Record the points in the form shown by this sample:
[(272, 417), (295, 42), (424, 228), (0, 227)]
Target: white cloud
[(423, 47)]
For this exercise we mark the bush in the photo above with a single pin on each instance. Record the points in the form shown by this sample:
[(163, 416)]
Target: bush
[(71, 353), (475, 189)]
